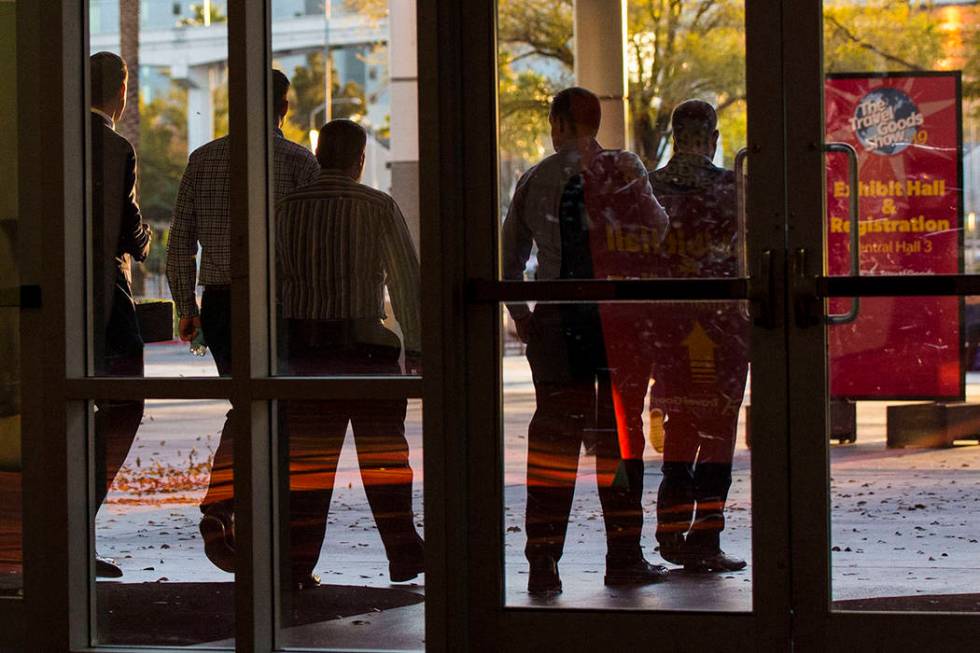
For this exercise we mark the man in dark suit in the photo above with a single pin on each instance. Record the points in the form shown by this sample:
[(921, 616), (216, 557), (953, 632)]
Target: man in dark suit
[(118, 237)]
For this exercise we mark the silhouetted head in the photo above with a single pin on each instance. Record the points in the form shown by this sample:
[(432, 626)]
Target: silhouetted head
[(575, 115), (341, 147), (695, 127), (109, 76), (280, 91)]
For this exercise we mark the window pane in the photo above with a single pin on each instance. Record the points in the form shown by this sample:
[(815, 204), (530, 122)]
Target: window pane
[(350, 540), (604, 147), (172, 591), (346, 233), (10, 461), (624, 437), (176, 265), (639, 175), (903, 479), (901, 90)]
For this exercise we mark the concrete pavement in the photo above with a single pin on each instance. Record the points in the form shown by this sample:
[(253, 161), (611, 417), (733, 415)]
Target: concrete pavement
[(905, 522)]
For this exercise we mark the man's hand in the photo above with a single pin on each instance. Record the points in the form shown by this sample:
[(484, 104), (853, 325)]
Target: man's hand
[(413, 363), (188, 326), (524, 326)]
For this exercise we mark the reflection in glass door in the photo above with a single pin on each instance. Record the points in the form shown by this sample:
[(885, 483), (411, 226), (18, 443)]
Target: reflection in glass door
[(626, 457), (627, 234), (893, 459)]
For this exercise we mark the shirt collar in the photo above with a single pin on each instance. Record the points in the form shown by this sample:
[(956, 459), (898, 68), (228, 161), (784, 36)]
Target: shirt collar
[(335, 174), (105, 116), (278, 132), (583, 145)]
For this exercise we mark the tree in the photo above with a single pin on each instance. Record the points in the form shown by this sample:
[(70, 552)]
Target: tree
[(204, 14), (880, 35), (164, 137), (129, 50), (308, 86), (679, 49)]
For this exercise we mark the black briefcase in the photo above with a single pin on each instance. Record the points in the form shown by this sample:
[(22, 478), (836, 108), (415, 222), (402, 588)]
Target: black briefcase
[(156, 318)]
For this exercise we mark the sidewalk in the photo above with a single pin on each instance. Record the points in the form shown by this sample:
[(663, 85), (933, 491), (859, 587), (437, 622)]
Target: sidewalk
[(905, 522)]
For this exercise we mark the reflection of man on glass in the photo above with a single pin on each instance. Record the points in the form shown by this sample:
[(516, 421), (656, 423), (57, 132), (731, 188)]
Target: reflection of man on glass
[(701, 348), (118, 237), (202, 215), (339, 243), (566, 351)]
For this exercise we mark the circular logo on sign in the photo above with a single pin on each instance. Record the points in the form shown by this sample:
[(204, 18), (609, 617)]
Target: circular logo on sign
[(886, 121)]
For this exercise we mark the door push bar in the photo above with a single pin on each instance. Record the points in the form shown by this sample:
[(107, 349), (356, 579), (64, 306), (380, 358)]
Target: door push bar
[(807, 304), (741, 241), (855, 233)]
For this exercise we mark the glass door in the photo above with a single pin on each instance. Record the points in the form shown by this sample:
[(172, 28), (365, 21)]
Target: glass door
[(626, 450), (883, 186)]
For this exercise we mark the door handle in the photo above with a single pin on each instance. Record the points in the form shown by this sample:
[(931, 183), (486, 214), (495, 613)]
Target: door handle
[(740, 233), (807, 307), (855, 234), (26, 296), (762, 292)]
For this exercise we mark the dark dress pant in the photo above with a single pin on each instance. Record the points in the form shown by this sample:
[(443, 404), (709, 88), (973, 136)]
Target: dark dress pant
[(311, 435), (574, 408), (216, 324), (117, 421), (700, 397)]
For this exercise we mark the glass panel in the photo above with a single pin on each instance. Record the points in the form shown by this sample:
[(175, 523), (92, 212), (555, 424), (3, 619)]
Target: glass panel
[(10, 461), (350, 538), (176, 102), (632, 177), (901, 89), (904, 511), (894, 94), (149, 525), (346, 265), (607, 379), (634, 86)]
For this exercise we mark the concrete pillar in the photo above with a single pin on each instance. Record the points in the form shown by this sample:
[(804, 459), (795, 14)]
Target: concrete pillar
[(600, 63), (200, 107), (403, 67)]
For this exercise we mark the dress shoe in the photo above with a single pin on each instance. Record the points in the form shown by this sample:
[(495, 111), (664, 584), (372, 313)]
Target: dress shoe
[(106, 568), (674, 549), (636, 571), (718, 561), (543, 579), (402, 571), (218, 530)]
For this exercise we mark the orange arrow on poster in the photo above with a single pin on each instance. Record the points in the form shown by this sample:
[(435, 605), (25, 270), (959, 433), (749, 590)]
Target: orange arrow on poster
[(700, 354)]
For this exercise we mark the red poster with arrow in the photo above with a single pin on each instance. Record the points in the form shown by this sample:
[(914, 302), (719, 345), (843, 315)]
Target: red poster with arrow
[(906, 129)]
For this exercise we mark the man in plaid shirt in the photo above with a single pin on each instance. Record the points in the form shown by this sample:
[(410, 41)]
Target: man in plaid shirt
[(202, 216)]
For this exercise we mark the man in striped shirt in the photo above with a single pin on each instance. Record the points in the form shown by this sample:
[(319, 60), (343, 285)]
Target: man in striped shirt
[(339, 243), (202, 215)]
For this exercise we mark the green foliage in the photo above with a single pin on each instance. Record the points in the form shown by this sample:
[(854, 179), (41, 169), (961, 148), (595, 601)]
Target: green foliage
[(534, 61), (307, 94), (198, 17), (679, 49), (163, 153), (880, 35)]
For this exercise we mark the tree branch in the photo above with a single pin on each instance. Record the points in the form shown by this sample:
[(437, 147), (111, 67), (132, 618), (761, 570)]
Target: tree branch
[(850, 36)]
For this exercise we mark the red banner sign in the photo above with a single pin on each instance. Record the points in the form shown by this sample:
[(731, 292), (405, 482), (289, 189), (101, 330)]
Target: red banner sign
[(906, 130)]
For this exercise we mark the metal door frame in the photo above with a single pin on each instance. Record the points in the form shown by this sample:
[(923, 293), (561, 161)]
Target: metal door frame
[(816, 626), (467, 94), (58, 539)]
